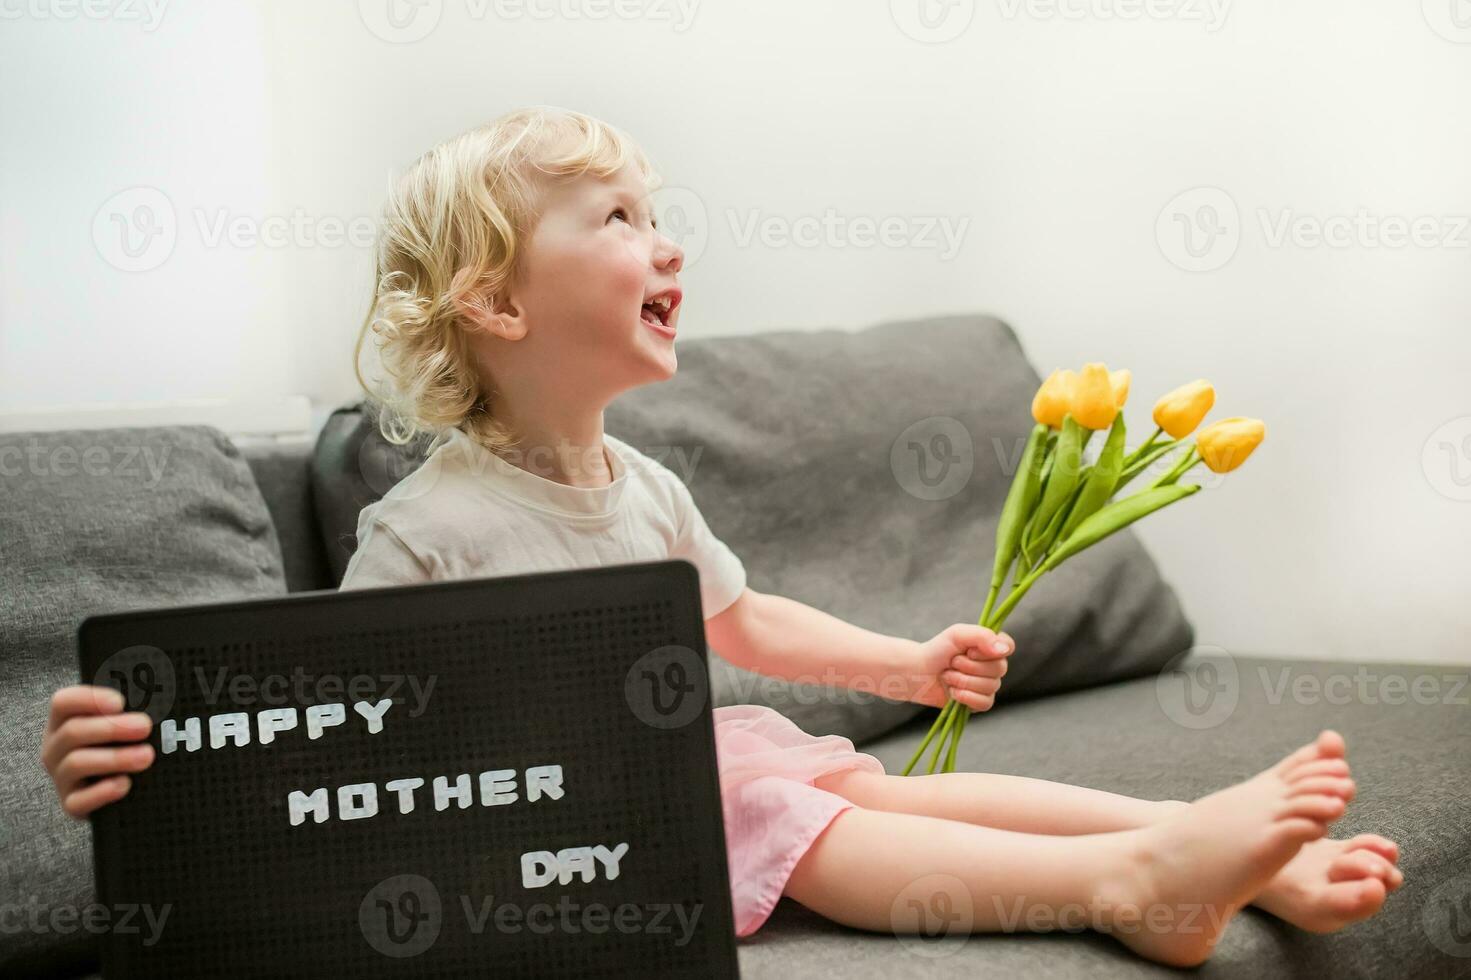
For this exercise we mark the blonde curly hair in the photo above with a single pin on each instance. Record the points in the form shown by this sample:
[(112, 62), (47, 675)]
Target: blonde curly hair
[(448, 243)]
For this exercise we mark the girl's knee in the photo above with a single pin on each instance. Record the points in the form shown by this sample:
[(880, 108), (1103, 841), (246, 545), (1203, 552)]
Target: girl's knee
[(867, 789)]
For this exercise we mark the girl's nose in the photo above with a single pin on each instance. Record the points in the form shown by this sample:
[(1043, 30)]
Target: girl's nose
[(667, 254)]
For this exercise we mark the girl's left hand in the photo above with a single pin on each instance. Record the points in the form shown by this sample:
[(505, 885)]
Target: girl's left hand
[(967, 662)]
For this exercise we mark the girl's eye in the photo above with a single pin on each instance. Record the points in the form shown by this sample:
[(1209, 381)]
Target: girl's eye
[(619, 212)]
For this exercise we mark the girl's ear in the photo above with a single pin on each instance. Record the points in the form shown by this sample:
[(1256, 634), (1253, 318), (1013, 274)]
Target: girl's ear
[(484, 311)]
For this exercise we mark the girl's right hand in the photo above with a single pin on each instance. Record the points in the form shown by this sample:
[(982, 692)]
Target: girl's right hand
[(79, 748)]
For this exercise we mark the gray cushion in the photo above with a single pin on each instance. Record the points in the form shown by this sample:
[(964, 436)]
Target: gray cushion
[(798, 448), (282, 471), (99, 521), (1409, 760)]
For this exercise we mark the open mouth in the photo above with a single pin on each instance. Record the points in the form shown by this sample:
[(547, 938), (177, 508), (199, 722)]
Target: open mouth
[(656, 312)]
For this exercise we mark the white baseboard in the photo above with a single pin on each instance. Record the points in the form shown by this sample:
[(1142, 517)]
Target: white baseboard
[(284, 417)]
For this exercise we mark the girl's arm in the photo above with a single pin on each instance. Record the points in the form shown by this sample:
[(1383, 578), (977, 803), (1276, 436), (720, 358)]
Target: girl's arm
[(780, 637)]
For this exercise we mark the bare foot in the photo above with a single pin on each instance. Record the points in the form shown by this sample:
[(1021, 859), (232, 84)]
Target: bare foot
[(1332, 883), (1191, 872)]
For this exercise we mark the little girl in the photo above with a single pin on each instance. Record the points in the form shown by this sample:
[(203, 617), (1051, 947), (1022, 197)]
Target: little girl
[(521, 286)]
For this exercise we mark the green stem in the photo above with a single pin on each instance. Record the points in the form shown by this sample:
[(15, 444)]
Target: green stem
[(934, 727), (1137, 453), (1011, 600), (964, 714), (1187, 461), (952, 708), (991, 595)]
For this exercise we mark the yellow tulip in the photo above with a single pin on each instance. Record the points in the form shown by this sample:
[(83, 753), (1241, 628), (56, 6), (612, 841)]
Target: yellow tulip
[(1224, 445), (1054, 398), (1120, 380), (1094, 402), (1179, 412)]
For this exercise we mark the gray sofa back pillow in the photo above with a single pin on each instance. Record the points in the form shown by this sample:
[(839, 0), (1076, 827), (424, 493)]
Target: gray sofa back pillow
[(861, 473), (92, 522)]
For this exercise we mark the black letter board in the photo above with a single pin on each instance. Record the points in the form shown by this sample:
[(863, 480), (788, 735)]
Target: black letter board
[(512, 776)]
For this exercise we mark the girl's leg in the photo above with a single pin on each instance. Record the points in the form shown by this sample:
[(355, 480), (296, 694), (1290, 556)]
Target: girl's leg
[(1166, 889), (1019, 803), (1303, 894)]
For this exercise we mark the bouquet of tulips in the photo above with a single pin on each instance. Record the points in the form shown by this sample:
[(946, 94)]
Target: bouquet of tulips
[(1059, 504)]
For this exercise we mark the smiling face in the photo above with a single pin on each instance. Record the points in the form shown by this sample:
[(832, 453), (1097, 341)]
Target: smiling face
[(596, 292)]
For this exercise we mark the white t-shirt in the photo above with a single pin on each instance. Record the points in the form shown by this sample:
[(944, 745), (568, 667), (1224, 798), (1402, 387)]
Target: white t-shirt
[(468, 513)]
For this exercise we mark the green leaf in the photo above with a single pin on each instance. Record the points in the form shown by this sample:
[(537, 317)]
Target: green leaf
[(1117, 515), (1100, 479), (1144, 462), (1021, 500), (1063, 477)]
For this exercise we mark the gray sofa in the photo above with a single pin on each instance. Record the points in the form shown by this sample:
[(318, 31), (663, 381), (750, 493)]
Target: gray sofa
[(800, 440)]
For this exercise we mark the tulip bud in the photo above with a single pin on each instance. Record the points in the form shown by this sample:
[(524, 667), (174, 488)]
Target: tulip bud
[(1054, 398), (1224, 445), (1120, 380), (1179, 412), (1094, 402)]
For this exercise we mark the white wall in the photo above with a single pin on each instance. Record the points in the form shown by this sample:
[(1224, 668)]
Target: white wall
[(1055, 136)]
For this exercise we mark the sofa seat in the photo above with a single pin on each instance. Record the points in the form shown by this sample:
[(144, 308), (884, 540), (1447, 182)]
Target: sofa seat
[(1411, 761)]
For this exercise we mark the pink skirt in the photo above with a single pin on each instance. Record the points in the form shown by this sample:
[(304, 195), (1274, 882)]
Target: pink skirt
[(773, 812)]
